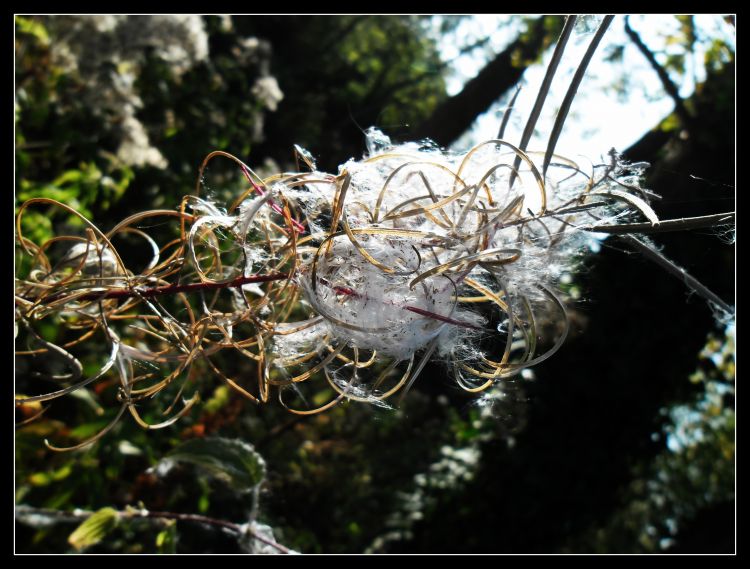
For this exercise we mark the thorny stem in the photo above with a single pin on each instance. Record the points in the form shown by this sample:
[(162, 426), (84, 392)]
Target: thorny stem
[(131, 513)]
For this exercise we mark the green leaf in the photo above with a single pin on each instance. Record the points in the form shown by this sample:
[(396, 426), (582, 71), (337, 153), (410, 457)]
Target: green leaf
[(89, 429), (220, 397), (166, 539), (34, 28), (46, 478), (69, 177), (234, 461), (94, 529)]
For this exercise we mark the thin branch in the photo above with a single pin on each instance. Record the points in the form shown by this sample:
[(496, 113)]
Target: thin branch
[(376, 92), (469, 48), (171, 289), (236, 528), (666, 82), (78, 515), (681, 224), (197, 518), (691, 282), (454, 115)]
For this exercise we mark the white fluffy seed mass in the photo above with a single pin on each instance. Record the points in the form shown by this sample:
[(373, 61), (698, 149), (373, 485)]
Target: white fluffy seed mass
[(412, 238), (353, 282), (376, 310)]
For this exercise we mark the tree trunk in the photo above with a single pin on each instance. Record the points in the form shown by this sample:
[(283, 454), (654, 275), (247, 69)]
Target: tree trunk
[(454, 117)]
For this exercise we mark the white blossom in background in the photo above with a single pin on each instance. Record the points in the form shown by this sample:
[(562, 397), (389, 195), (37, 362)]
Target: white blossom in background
[(267, 91), (106, 52)]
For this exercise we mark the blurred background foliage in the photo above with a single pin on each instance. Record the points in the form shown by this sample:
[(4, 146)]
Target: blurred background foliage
[(624, 442)]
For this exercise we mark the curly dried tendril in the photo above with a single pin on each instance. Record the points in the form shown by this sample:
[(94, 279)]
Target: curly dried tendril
[(332, 288)]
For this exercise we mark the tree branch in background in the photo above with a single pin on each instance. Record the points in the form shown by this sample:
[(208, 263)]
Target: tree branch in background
[(647, 148), (133, 513), (469, 48), (454, 116), (666, 82), (376, 93), (704, 122), (338, 36)]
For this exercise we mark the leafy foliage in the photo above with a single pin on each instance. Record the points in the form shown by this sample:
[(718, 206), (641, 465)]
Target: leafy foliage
[(232, 460), (94, 529), (367, 71)]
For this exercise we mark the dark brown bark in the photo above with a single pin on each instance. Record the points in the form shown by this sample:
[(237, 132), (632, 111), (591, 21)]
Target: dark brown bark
[(453, 117), (694, 169), (648, 146)]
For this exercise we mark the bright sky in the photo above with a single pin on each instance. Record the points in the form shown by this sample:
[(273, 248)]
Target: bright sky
[(599, 119)]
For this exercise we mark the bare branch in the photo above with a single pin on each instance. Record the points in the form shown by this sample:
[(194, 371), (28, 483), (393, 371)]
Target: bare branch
[(666, 82), (171, 289), (131, 513)]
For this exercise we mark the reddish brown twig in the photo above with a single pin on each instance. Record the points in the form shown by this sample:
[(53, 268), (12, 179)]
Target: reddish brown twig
[(422, 312), (274, 206), (171, 289), (231, 526)]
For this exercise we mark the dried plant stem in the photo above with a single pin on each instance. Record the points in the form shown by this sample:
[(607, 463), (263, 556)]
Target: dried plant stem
[(691, 282), (174, 289), (507, 113), (389, 237), (570, 22), (665, 226), (416, 310), (562, 114)]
